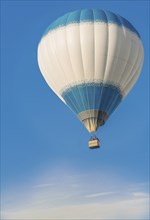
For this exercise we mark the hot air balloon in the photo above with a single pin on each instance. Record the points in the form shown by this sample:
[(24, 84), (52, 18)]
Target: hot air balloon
[(91, 59)]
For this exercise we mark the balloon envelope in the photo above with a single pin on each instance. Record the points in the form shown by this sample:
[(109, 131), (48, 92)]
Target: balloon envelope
[(91, 59)]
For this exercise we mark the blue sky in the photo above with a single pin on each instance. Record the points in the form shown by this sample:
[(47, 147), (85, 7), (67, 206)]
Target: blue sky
[(47, 169)]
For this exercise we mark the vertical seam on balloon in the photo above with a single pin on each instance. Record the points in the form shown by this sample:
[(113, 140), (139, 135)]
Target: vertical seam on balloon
[(58, 60), (42, 67), (133, 67), (48, 56), (91, 119), (94, 55), (72, 91), (106, 60), (79, 89), (87, 103), (84, 104), (133, 64), (118, 51), (125, 32), (90, 104), (114, 97), (113, 104), (47, 77), (135, 77)]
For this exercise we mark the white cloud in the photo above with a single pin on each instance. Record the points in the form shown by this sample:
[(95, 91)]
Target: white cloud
[(122, 209), (61, 195)]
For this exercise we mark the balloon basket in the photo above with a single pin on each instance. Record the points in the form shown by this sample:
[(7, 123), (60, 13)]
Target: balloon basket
[(93, 144)]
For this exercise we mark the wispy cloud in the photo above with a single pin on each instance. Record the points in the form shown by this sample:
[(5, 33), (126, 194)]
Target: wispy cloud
[(99, 194), (140, 194), (44, 185), (71, 196), (122, 209)]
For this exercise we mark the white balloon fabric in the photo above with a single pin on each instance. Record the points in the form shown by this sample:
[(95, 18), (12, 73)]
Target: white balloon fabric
[(91, 59)]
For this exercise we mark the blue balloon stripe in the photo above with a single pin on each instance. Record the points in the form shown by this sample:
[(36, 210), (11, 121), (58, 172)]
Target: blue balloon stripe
[(93, 96), (90, 15)]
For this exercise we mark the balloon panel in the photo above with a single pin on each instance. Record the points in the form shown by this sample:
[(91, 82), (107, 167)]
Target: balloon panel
[(90, 15), (85, 98)]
